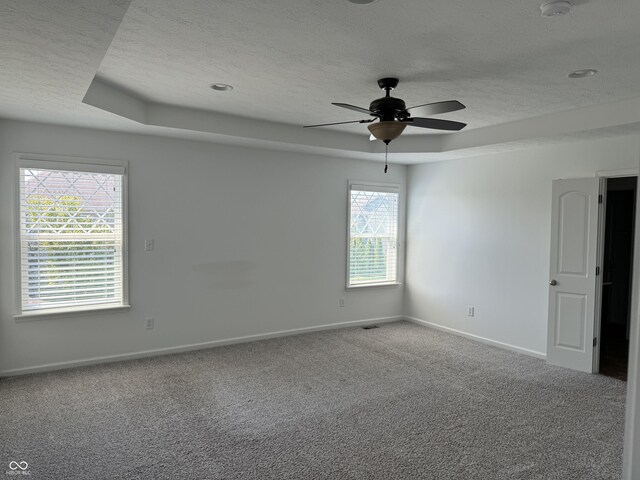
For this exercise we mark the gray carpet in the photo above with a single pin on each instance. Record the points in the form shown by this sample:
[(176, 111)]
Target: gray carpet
[(397, 402)]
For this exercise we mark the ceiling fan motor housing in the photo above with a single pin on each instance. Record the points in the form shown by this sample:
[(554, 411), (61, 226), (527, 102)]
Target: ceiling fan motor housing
[(387, 108)]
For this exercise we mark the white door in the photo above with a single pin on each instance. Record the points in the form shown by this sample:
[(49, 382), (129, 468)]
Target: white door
[(572, 285)]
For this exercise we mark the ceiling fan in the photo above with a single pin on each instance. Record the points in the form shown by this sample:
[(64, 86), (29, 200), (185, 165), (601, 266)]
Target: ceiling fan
[(394, 116)]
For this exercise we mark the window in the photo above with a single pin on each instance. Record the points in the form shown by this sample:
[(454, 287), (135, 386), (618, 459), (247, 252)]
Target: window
[(373, 235), (72, 249)]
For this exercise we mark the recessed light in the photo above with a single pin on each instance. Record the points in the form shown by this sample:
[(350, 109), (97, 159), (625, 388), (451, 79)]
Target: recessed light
[(587, 72), (555, 8), (221, 87), (362, 2)]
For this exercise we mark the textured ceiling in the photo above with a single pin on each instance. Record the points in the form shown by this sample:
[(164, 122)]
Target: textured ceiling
[(147, 66), (289, 59), (49, 54)]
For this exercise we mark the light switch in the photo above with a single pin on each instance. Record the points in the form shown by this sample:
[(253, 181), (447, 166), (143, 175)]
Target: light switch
[(148, 245)]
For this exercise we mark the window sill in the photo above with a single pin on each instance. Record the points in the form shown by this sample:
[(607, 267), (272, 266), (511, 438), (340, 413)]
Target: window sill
[(369, 285), (67, 312)]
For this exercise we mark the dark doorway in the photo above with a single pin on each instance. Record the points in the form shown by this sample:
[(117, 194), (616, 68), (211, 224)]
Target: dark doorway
[(616, 280)]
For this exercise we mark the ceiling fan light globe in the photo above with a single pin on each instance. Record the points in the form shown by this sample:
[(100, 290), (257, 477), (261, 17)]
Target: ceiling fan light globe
[(387, 131)]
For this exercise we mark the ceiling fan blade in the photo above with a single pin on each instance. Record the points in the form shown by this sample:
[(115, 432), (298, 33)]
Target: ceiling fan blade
[(353, 107), (435, 123), (435, 108), (339, 123)]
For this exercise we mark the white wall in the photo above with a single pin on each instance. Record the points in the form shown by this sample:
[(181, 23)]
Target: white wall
[(631, 464), (246, 242), (478, 233)]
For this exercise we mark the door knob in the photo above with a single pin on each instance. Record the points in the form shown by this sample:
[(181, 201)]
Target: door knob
[(553, 283)]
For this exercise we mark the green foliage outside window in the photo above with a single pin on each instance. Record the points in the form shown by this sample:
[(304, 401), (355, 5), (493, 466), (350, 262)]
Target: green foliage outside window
[(368, 259), (57, 264)]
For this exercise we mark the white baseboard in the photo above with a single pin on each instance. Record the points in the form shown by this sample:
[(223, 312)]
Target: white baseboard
[(194, 346), (478, 338)]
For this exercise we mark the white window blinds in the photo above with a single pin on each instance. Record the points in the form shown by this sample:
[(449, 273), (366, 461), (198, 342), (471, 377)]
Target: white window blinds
[(71, 237), (373, 235)]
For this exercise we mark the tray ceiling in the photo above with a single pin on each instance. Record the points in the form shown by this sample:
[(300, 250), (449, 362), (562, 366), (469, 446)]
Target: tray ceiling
[(147, 65)]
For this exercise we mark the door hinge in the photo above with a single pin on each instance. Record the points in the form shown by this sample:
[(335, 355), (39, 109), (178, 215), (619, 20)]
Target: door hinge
[(600, 198), (595, 342), (597, 270)]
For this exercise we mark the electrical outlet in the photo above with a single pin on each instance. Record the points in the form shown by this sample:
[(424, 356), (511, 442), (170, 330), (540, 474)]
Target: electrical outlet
[(148, 245), (471, 311), (149, 323), (341, 302)]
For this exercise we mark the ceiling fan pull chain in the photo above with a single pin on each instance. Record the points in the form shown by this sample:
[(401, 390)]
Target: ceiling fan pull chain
[(386, 154)]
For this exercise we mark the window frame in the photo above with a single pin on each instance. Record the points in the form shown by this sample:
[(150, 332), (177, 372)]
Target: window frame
[(382, 188), (75, 164)]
